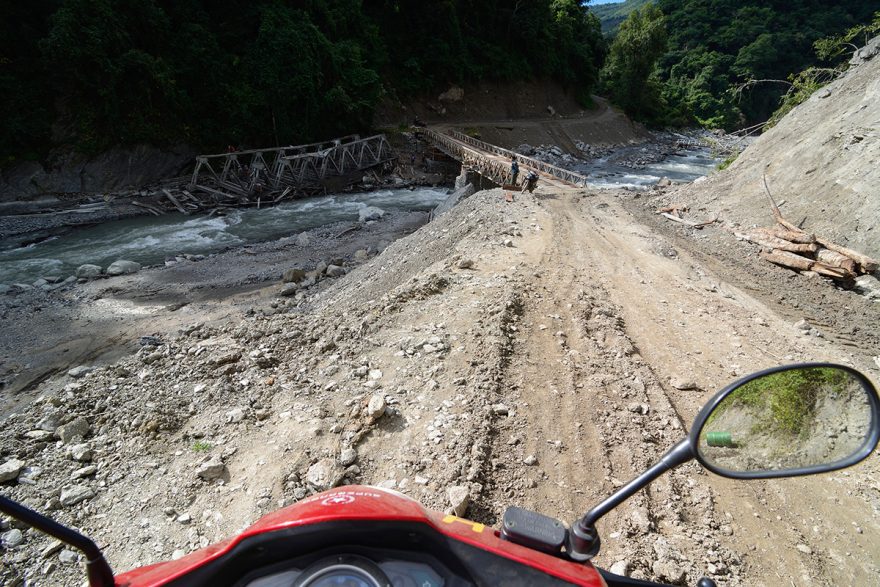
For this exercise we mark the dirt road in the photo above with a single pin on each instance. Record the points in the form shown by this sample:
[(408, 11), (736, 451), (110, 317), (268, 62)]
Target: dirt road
[(539, 353)]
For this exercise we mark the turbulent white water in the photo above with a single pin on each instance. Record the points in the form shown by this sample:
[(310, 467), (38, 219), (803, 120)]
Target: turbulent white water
[(686, 167), (149, 240)]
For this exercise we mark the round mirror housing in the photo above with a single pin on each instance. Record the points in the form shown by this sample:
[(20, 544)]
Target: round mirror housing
[(788, 421)]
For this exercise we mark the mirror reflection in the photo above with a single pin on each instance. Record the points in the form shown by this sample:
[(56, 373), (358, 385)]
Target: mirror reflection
[(788, 420)]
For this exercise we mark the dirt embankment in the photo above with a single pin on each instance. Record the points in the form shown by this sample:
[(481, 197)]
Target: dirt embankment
[(536, 353), (511, 114), (822, 163)]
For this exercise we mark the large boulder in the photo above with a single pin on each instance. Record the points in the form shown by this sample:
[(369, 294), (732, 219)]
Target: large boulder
[(88, 271), (293, 275), (123, 267)]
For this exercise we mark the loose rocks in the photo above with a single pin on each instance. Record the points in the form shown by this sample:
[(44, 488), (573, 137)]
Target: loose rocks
[(88, 271), (12, 538), (325, 474), (335, 271), (78, 372), (293, 275), (74, 494), (10, 470), (459, 499), (376, 407), (348, 457), (76, 429), (123, 267), (211, 469)]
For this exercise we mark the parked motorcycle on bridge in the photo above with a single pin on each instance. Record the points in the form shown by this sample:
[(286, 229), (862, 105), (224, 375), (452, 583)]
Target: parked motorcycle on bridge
[(783, 422)]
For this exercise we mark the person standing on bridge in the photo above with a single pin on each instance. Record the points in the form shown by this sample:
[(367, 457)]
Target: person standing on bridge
[(514, 170), (530, 181)]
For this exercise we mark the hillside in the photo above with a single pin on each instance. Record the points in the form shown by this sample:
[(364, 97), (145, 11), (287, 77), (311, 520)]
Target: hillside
[(821, 163), (611, 15)]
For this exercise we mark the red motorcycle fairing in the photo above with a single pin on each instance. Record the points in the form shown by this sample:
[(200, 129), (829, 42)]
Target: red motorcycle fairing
[(344, 512)]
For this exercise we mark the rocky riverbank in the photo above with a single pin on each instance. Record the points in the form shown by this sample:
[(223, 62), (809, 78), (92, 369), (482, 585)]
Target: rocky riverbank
[(658, 147), (104, 316)]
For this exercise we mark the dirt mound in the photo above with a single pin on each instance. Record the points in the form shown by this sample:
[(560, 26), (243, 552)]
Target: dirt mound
[(510, 114), (822, 163)]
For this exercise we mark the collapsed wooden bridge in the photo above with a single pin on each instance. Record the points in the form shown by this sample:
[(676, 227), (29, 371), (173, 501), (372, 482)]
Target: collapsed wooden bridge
[(300, 167), (259, 177)]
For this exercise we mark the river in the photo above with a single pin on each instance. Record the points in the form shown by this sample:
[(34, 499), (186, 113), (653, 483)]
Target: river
[(151, 240)]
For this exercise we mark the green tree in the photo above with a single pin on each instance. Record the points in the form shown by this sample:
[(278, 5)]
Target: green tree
[(744, 40), (26, 98), (629, 72), (107, 57)]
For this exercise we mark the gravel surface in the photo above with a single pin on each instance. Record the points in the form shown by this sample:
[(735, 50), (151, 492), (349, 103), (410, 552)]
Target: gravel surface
[(537, 353)]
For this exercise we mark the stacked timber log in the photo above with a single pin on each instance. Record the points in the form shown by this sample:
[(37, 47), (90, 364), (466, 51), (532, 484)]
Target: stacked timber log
[(790, 246)]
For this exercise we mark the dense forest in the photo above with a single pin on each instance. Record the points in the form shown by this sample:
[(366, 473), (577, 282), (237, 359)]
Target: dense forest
[(95, 73), (716, 45), (91, 74)]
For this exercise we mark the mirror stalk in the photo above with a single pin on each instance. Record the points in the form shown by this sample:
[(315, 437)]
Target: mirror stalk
[(99, 572), (583, 539)]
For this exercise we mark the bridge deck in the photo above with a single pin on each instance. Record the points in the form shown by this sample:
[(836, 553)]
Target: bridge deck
[(493, 162)]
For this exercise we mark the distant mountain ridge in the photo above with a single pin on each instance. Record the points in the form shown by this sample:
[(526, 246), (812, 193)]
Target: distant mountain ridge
[(611, 15)]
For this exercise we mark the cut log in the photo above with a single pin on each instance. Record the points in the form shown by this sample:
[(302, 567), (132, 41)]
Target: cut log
[(786, 259), (832, 272), (835, 259), (866, 263), (765, 239), (792, 235)]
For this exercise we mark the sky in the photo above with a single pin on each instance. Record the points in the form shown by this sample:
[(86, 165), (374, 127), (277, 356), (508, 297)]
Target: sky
[(594, 2)]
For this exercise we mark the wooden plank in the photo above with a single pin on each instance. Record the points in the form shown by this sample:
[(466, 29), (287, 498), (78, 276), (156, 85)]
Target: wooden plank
[(284, 193), (218, 192), (175, 201)]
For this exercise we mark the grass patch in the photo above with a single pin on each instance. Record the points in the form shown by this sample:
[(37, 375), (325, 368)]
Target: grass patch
[(727, 162), (785, 401), (201, 446)]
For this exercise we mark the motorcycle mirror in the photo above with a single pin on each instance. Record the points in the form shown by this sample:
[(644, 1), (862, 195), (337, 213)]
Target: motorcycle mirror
[(782, 422), (788, 421)]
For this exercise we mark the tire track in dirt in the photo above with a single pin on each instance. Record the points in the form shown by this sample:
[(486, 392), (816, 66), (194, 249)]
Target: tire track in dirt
[(593, 415), (692, 324)]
